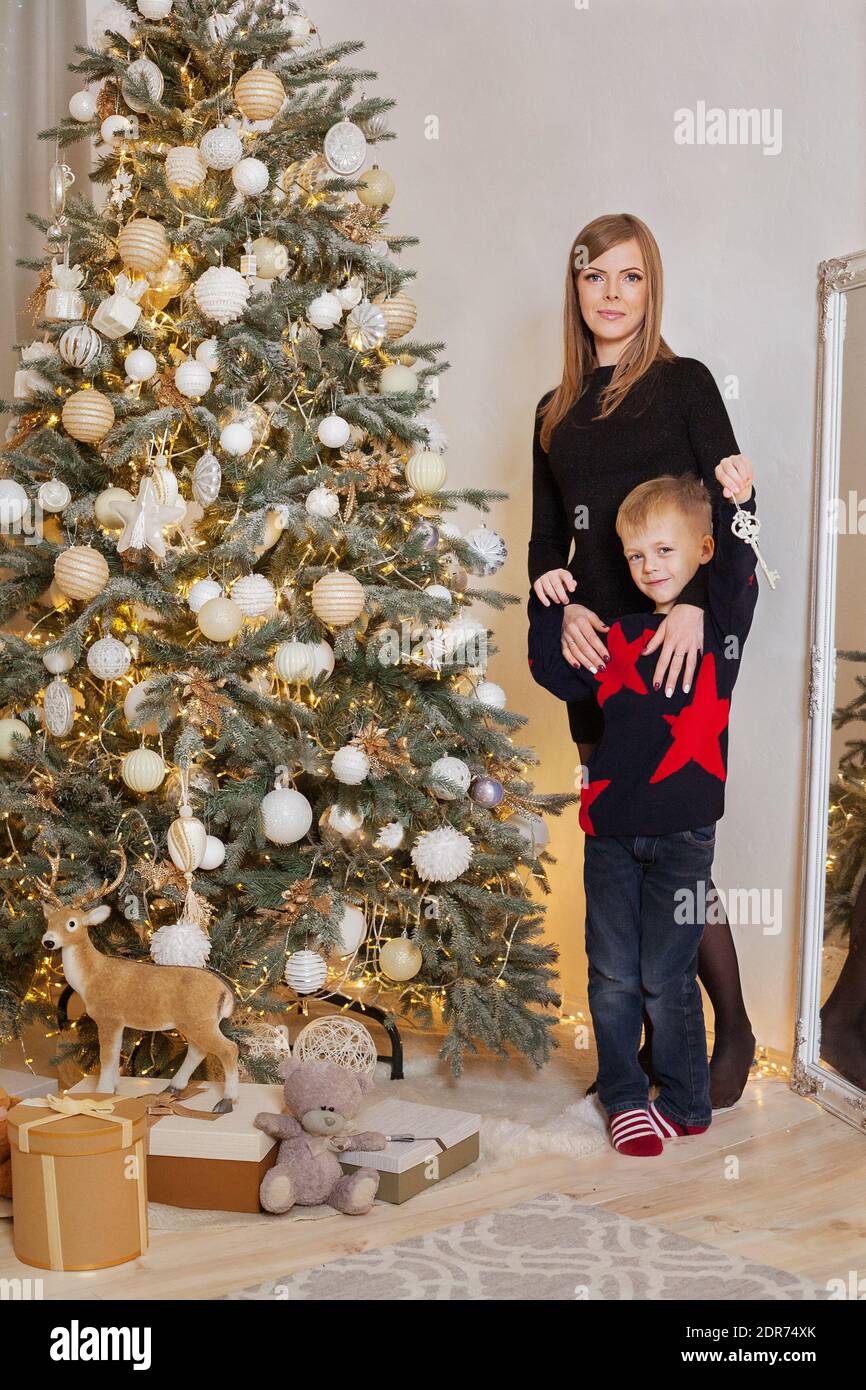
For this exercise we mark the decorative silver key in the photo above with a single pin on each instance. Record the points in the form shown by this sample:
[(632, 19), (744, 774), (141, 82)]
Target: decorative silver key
[(746, 526)]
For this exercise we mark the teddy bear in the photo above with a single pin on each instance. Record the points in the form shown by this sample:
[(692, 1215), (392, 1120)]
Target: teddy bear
[(321, 1100)]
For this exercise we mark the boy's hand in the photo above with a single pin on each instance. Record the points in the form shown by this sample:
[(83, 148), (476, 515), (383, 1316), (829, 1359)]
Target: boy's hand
[(735, 475), (555, 585)]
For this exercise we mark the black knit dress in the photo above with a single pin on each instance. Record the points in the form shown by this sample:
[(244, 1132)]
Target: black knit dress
[(673, 421)]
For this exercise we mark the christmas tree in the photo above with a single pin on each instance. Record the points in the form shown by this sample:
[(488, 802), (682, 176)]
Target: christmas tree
[(237, 643)]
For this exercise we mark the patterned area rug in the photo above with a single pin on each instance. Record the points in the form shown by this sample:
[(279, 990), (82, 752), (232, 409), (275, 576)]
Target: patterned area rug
[(552, 1248)]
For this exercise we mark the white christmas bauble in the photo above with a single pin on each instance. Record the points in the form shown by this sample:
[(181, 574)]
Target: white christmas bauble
[(324, 311), (104, 507), (222, 293), (398, 378), (180, 943), (59, 661), (350, 294), (350, 765), (345, 148), (450, 770), (426, 471), (140, 365), (342, 821), (286, 816), (143, 770), (334, 431), (184, 167), (113, 17), (272, 258), (82, 106), (109, 659), (236, 439), (53, 496), (391, 836), (254, 595), (201, 591), (186, 841), (321, 501), (441, 855), (131, 705), (366, 327), (490, 549), (250, 176), (221, 148), (13, 502), (154, 9), (80, 345), (10, 730), (192, 379), (214, 853), (114, 126), (488, 693), (293, 661), (58, 708), (219, 619), (353, 929), (207, 353), (323, 661), (207, 479), (439, 591), (400, 959), (306, 972)]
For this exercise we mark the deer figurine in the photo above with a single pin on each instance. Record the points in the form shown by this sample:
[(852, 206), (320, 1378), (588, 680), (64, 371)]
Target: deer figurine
[(120, 994)]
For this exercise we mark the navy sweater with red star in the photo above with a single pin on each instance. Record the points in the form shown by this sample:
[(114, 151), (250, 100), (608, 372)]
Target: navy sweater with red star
[(661, 763)]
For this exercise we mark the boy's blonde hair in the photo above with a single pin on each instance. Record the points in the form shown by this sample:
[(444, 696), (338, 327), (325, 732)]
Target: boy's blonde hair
[(685, 494)]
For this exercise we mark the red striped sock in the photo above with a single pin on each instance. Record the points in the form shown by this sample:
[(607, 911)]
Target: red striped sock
[(632, 1133), (671, 1129)]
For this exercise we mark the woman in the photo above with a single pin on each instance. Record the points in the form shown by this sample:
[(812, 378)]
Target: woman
[(628, 409)]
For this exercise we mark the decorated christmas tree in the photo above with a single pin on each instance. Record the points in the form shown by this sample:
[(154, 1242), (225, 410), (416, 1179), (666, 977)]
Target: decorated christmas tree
[(236, 641)]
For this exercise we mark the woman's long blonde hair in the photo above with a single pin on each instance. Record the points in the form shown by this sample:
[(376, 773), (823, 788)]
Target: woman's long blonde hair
[(646, 348)]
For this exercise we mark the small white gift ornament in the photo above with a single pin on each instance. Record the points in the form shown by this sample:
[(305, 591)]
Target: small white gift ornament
[(120, 312), (63, 301), (28, 379)]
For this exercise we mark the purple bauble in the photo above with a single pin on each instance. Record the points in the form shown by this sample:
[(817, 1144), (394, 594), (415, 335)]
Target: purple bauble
[(430, 534), (486, 791)]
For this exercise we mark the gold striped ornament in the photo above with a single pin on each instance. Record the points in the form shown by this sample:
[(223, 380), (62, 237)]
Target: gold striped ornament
[(87, 416), (81, 572), (187, 841), (337, 598), (401, 313), (259, 94), (143, 244)]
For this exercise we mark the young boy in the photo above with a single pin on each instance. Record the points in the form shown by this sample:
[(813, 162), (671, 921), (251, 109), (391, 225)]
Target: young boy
[(655, 789)]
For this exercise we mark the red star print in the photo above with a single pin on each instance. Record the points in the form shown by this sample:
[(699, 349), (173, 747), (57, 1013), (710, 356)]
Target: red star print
[(696, 729), (620, 672), (587, 797)]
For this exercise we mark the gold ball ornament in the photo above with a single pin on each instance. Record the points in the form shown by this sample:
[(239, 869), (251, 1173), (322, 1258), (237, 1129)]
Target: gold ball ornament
[(87, 416), (81, 572), (219, 619), (10, 730), (143, 770), (337, 598), (143, 244), (400, 959), (165, 283), (375, 188), (259, 94), (401, 313), (426, 472)]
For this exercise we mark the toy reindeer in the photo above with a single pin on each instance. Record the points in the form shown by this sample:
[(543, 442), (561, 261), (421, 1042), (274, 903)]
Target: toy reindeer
[(120, 994)]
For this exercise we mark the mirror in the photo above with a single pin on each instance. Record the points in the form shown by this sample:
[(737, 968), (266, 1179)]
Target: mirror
[(830, 1051)]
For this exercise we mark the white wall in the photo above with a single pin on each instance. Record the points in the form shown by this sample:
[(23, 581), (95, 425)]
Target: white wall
[(549, 115)]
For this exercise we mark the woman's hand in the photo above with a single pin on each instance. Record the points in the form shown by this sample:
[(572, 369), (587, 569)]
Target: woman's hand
[(735, 475), (580, 645), (682, 637), (555, 585)]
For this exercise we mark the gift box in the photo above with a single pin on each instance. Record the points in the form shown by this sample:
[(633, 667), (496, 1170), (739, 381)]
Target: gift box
[(119, 313), (196, 1158), (432, 1144), (64, 305), (79, 1178), (25, 1083)]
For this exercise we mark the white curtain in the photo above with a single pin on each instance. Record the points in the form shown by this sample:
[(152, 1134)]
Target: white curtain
[(37, 40)]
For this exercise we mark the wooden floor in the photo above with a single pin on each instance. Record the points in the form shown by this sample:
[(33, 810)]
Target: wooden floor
[(776, 1180)]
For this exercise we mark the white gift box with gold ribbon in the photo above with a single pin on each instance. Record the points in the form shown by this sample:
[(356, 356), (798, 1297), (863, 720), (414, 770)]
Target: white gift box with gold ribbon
[(79, 1180)]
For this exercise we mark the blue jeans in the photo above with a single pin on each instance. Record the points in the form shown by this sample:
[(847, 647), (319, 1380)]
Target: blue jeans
[(645, 909)]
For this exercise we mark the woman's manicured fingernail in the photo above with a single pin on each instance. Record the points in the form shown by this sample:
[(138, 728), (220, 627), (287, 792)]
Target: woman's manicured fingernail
[(656, 685), (592, 669), (669, 692), (686, 689)]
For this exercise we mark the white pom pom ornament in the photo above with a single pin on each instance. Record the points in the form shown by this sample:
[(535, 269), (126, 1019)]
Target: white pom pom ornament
[(441, 855), (322, 502), (180, 943)]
